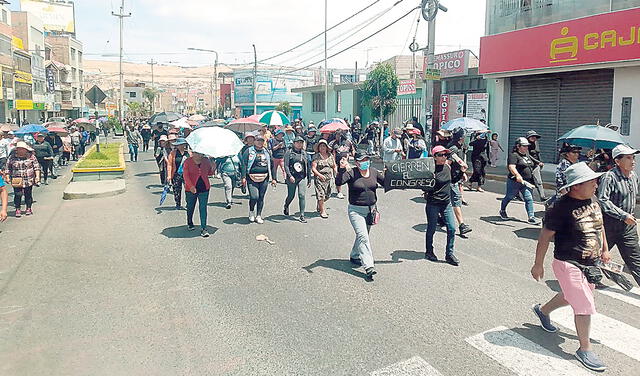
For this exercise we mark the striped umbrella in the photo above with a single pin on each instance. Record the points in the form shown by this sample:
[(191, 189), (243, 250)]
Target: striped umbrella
[(274, 117)]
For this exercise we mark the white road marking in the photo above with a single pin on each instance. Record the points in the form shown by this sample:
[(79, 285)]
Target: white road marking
[(522, 356), (610, 332), (631, 297), (415, 366)]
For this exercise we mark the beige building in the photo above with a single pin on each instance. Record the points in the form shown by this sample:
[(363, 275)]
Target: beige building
[(68, 51)]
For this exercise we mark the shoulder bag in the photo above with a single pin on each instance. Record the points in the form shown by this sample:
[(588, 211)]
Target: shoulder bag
[(373, 218)]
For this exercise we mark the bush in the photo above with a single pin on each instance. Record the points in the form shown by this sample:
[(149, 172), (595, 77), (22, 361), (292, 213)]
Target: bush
[(109, 156)]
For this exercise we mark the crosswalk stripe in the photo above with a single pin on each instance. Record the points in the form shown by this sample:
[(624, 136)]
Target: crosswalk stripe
[(522, 356), (610, 332), (632, 297), (415, 366)]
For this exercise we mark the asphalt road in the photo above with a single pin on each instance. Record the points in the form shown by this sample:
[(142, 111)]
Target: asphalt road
[(118, 286)]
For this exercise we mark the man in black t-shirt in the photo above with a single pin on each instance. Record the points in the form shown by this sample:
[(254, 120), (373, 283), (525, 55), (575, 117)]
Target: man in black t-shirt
[(575, 223), (520, 180)]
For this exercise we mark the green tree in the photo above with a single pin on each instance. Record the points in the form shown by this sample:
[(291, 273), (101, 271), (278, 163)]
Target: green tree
[(136, 109), (284, 107), (150, 95), (380, 90)]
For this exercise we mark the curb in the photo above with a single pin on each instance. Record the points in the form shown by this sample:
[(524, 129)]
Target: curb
[(94, 189)]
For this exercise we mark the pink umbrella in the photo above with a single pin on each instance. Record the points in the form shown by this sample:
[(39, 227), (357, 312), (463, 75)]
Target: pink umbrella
[(57, 130), (81, 121), (253, 117), (334, 127), (55, 124)]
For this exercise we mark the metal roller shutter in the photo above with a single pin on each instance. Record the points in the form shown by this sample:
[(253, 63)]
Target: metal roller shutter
[(534, 105), (552, 104)]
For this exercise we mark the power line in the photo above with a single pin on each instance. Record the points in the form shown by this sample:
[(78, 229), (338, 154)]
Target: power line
[(350, 33), (321, 33), (358, 42)]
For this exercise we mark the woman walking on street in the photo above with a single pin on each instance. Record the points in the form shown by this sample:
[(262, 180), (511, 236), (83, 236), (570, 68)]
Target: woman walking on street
[(229, 169), (520, 179), (162, 157), (494, 150), (146, 137), (278, 147), (324, 169), (175, 169), (363, 182), (196, 172), (296, 165), (479, 160), (439, 205), (415, 145), (534, 154), (24, 172), (44, 154), (133, 139), (256, 173), (569, 155)]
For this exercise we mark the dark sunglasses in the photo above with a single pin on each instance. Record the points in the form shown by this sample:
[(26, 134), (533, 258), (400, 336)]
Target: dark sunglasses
[(440, 155)]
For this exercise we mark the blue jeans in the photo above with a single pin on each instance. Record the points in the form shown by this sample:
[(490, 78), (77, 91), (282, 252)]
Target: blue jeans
[(133, 152), (361, 246), (513, 187), (203, 199), (433, 211)]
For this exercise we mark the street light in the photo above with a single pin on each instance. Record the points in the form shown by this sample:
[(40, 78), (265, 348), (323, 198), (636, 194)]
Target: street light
[(214, 90)]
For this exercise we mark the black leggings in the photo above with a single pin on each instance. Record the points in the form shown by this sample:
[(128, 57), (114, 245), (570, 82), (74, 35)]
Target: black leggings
[(257, 191), (44, 163), (27, 192)]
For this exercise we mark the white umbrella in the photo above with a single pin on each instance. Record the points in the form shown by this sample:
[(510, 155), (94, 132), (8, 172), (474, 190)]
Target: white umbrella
[(215, 142), (196, 117), (181, 123)]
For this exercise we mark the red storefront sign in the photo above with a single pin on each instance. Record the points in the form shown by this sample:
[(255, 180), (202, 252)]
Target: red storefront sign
[(451, 64), (444, 108), (407, 87), (603, 38)]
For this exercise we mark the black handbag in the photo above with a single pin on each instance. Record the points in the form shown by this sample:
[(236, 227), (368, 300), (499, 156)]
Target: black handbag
[(593, 274)]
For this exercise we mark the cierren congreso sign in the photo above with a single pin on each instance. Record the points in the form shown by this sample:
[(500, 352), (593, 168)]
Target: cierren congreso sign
[(410, 174)]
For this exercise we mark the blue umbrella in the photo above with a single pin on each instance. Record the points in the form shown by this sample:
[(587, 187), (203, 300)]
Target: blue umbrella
[(468, 124), (30, 128), (163, 196), (593, 136)]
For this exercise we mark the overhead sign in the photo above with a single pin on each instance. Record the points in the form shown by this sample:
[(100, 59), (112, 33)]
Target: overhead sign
[(602, 38), (95, 95), (55, 16), (51, 81), (23, 104), (452, 64), (432, 74), (407, 87), (410, 174), (477, 106), (24, 77)]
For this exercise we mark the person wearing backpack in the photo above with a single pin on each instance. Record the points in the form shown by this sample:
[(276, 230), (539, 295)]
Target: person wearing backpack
[(175, 167)]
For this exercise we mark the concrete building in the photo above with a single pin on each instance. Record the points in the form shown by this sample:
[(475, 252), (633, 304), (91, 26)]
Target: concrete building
[(68, 51), (6, 63), (552, 66), (30, 30), (134, 92)]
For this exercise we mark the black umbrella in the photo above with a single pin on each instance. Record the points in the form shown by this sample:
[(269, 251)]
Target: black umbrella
[(164, 117)]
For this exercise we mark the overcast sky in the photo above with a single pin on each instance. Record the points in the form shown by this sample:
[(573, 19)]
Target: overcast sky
[(164, 29)]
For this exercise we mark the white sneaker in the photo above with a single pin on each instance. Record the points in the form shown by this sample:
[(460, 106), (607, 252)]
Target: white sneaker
[(252, 217), (259, 220), (340, 195)]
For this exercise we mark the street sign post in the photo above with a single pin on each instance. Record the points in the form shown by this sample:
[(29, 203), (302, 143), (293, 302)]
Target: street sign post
[(432, 74), (95, 95)]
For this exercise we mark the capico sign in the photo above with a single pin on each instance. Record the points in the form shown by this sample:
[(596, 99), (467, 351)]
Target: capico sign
[(452, 64), (603, 38)]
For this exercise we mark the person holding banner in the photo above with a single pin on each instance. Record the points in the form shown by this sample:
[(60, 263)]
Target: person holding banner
[(439, 205), (363, 182)]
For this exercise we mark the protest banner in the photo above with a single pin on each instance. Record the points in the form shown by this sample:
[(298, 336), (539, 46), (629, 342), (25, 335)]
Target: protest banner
[(410, 174)]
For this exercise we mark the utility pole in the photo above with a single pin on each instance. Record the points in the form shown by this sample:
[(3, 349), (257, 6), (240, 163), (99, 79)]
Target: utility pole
[(214, 81), (255, 77), (429, 11), (153, 86), (121, 16), (326, 73)]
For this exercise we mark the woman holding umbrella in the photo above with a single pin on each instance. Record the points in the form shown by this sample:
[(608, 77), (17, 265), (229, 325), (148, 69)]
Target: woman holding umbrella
[(196, 172), (256, 173), (23, 172)]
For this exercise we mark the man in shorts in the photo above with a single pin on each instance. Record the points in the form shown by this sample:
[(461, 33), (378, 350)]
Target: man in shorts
[(575, 223)]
